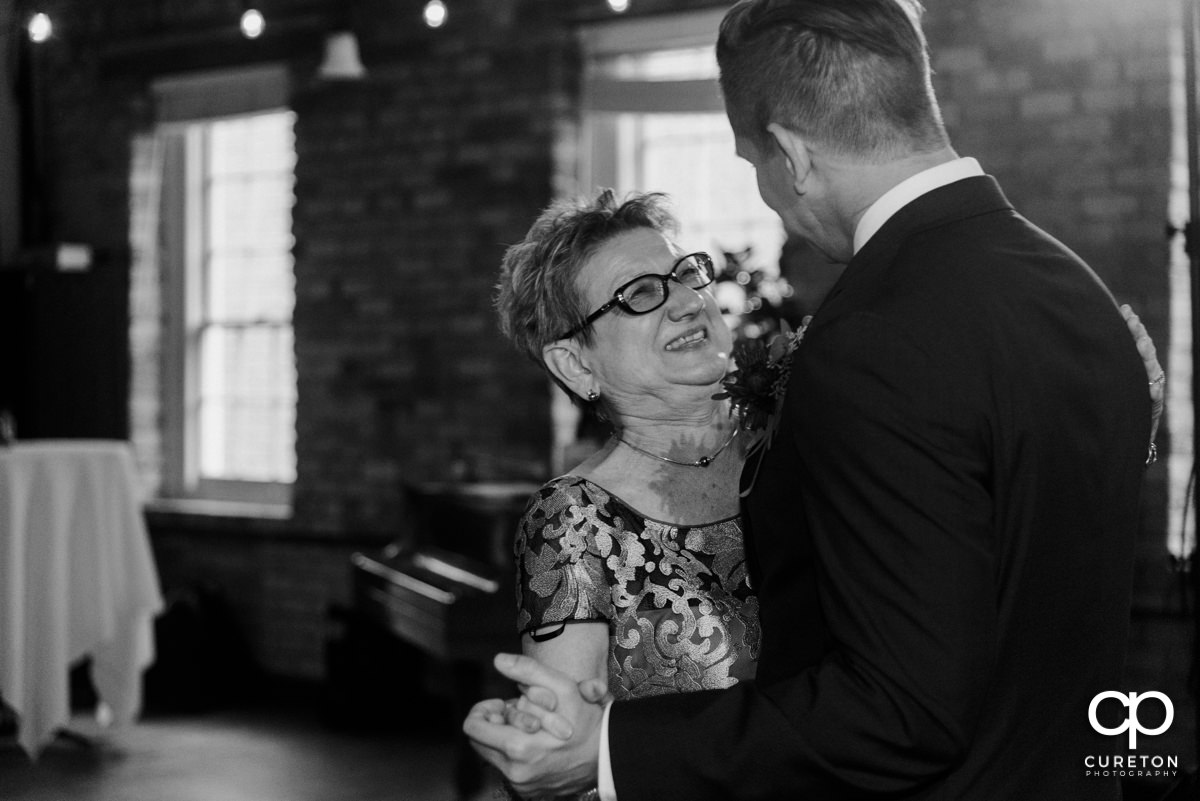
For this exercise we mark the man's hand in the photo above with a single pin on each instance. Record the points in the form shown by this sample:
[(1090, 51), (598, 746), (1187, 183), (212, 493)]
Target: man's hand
[(552, 744), (1157, 378), (534, 710)]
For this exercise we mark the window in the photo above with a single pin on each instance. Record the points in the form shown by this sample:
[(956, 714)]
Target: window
[(213, 194), (1175, 354), (242, 404), (653, 120)]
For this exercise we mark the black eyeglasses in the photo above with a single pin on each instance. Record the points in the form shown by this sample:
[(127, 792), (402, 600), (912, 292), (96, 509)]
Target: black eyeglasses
[(647, 292)]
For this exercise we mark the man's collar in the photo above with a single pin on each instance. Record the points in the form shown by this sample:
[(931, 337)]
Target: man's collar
[(909, 190)]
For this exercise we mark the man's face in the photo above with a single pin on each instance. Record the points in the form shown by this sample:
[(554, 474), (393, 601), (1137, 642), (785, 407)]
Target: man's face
[(775, 180), (802, 214)]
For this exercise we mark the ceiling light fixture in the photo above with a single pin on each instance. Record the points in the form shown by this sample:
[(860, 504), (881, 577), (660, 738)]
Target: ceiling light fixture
[(40, 28), (253, 23), (435, 13), (342, 61)]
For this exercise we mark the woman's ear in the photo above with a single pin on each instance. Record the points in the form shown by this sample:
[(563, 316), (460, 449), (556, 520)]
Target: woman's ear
[(565, 362), (795, 151)]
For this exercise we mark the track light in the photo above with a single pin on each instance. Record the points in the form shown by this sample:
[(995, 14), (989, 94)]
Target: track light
[(252, 23), (39, 28), (435, 13)]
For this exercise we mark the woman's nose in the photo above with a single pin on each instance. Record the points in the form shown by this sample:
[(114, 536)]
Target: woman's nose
[(684, 302)]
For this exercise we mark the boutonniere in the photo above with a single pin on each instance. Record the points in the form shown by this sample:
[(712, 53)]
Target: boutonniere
[(756, 388)]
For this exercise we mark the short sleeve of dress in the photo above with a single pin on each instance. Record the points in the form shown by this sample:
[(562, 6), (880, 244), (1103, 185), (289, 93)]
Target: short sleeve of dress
[(561, 545)]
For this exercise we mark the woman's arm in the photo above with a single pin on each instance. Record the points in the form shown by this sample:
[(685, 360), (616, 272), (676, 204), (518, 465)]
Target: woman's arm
[(563, 597), (578, 649)]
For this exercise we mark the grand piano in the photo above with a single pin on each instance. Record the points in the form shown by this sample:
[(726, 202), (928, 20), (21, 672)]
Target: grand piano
[(448, 587)]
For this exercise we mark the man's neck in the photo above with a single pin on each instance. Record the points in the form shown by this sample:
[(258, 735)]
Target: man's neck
[(862, 184)]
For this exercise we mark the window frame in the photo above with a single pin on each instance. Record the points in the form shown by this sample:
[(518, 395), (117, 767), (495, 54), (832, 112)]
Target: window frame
[(182, 104), (603, 97)]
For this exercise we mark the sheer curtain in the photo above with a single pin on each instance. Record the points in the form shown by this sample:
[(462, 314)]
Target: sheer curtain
[(146, 307)]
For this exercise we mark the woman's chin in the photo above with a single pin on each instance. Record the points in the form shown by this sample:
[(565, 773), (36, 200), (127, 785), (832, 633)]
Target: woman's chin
[(709, 378)]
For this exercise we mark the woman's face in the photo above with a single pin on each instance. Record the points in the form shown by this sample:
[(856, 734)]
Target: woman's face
[(683, 343)]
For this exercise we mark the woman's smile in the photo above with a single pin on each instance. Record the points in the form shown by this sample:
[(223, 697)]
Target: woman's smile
[(697, 337)]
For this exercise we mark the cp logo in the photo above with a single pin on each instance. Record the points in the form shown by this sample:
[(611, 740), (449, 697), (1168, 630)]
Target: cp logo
[(1131, 722)]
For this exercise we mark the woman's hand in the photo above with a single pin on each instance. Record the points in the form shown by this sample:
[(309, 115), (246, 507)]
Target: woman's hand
[(533, 710), (561, 756), (580, 650), (1155, 375)]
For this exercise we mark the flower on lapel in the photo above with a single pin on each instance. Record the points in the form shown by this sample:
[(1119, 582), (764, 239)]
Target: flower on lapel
[(756, 388)]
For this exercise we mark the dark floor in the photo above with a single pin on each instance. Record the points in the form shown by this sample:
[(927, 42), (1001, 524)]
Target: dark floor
[(278, 750)]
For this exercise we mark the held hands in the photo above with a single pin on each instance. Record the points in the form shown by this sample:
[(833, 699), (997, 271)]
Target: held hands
[(547, 742)]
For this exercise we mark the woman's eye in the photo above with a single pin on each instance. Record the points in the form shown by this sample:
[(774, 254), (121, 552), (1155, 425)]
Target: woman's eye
[(642, 293)]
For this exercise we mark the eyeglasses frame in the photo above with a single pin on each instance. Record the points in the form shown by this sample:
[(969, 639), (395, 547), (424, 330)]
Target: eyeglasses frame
[(618, 298)]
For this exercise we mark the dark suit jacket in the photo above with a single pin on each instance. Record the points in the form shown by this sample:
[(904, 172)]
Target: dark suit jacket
[(942, 535)]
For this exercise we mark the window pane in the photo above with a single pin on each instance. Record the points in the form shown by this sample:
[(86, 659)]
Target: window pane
[(250, 213), (714, 194), (253, 145), (251, 288), (245, 402)]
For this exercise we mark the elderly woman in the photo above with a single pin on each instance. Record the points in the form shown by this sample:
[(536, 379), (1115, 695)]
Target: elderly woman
[(631, 568)]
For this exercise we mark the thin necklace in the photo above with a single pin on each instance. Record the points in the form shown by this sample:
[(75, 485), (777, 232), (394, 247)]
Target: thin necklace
[(703, 461)]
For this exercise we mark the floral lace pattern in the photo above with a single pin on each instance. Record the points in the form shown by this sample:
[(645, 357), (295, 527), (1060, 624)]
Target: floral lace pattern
[(677, 600)]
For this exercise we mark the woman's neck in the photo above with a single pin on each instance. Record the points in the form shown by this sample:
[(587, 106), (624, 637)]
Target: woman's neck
[(700, 428), (682, 469)]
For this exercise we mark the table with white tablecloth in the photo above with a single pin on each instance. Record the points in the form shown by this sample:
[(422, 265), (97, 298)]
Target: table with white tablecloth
[(77, 578)]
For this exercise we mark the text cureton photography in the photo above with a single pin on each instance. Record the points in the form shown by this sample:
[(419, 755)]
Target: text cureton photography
[(1131, 765)]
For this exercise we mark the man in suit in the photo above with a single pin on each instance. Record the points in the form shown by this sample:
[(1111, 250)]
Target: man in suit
[(942, 531)]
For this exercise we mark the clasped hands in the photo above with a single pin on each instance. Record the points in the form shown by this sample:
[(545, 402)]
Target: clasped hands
[(547, 742)]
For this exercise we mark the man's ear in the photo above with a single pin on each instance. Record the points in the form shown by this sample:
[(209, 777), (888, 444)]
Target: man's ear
[(795, 151), (565, 362)]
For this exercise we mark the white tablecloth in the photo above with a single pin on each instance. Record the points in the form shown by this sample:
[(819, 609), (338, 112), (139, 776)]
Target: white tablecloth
[(76, 578)]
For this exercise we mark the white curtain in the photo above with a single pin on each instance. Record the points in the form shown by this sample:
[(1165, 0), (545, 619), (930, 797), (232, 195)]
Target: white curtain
[(146, 307)]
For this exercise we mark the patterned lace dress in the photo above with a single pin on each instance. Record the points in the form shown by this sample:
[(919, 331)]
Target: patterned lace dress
[(680, 611)]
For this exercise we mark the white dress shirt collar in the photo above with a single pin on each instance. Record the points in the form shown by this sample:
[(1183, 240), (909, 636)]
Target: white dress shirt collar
[(909, 190)]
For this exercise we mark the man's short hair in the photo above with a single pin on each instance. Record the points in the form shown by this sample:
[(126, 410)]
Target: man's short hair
[(852, 75)]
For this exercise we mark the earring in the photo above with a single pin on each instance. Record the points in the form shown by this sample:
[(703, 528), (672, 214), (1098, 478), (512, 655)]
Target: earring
[(593, 395)]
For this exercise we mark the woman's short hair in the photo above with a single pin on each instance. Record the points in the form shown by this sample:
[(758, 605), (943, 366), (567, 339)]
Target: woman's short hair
[(537, 296), (851, 74)]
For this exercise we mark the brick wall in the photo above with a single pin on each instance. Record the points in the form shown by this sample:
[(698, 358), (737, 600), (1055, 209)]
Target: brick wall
[(409, 186), (411, 182)]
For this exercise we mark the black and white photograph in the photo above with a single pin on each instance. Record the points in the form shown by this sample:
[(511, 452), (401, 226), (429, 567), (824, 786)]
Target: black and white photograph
[(599, 400)]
